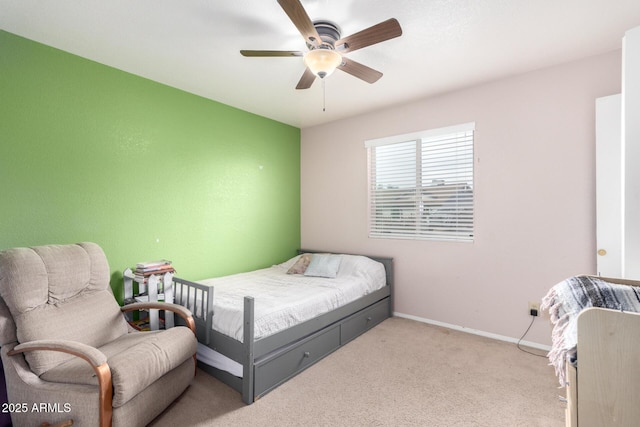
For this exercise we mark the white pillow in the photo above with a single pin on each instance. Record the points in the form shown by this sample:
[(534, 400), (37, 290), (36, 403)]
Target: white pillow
[(323, 266)]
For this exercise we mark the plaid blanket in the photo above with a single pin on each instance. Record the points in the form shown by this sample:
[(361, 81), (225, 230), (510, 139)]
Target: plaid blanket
[(567, 299)]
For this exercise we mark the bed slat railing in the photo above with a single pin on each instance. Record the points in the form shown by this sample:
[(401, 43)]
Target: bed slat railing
[(199, 299)]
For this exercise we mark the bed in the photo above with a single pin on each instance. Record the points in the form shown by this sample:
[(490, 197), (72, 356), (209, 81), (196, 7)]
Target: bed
[(596, 348), (314, 303)]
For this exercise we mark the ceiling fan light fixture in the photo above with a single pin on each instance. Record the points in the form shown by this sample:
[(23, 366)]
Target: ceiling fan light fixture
[(322, 61)]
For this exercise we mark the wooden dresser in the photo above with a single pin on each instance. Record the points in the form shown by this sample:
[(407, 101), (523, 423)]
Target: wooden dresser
[(604, 389)]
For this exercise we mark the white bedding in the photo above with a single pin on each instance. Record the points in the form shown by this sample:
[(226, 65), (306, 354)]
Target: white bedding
[(283, 300), (218, 360)]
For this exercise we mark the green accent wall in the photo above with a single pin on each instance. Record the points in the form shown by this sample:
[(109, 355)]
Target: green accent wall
[(92, 153)]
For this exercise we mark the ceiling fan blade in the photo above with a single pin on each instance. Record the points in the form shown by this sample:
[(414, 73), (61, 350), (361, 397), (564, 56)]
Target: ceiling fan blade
[(360, 71), (299, 17), (383, 31), (306, 80), (262, 53)]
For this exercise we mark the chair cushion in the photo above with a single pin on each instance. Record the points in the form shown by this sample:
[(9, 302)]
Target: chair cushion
[(93, 319), (136, 360), (32, 277)]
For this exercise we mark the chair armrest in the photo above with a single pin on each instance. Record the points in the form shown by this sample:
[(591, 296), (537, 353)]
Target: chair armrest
[(181, 311), (92, 355)]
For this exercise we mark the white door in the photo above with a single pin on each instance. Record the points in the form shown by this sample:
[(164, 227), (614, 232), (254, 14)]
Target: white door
[(631, 153), (609, 186)]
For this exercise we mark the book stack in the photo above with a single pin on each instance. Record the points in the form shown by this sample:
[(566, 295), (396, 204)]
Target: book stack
[(146, 269)]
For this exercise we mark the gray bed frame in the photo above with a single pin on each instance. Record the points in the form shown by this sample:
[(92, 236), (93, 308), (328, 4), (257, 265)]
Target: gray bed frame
[(272, 360)]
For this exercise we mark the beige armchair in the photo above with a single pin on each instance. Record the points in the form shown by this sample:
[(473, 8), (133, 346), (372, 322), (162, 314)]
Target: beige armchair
[(67, 350)]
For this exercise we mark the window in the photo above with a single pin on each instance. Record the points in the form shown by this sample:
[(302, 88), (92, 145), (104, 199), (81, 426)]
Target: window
[(421, 185)]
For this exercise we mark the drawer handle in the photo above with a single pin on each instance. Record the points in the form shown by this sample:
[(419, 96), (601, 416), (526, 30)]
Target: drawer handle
[(369, 319), (307, 354)]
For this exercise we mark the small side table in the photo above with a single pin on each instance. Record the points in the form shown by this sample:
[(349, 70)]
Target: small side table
[(156, 282)]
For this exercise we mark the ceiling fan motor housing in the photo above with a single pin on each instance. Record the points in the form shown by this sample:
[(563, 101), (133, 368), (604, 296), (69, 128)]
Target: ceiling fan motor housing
[(328, 31)]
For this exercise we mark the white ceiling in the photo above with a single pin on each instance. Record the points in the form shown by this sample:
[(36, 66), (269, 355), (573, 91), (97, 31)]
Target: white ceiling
[(446, 45)]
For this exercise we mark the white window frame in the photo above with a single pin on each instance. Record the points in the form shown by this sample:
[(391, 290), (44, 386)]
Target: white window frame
[(423, 196)]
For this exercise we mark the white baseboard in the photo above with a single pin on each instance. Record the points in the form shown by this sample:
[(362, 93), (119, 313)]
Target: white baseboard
[(474, 331)]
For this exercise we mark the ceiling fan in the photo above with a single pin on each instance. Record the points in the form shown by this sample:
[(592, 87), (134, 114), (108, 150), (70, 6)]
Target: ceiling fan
[(326, 48)]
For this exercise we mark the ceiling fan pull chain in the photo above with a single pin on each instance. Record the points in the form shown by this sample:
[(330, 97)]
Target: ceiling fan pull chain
[(324, 95)]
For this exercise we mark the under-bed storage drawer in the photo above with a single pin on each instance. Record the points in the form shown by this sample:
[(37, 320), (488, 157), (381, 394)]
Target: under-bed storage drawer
[(363, 321), (285, 364)]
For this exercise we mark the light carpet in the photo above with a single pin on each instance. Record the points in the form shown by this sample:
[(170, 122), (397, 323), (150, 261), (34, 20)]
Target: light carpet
[(400, 373)]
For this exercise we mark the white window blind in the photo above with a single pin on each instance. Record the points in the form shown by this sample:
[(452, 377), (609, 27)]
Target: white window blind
[(421, 185)]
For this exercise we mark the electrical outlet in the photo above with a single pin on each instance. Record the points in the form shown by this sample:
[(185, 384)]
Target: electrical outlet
[(534, 308)]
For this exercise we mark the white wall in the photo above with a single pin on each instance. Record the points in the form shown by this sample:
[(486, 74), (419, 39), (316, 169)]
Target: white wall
[(535, 196)]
